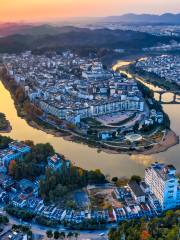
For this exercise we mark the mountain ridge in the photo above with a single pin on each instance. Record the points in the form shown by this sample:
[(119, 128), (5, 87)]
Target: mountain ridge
[(146, 18), (73, 37)]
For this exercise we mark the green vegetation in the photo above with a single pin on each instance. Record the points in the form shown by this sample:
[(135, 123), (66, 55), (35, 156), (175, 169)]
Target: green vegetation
[(23, 105), (4, 124), (57, 184), (33, 164), (4, 219), (46, 221), (153, 78), (24, 229), (136, 178), (4, 141), (89, 224), (165, 227), (61, 235), (120, 182), (93, 40), (49, 233), (19, 213)]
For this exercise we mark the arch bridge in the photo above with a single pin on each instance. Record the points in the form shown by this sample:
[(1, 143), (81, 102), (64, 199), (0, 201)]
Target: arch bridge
[(175, 98)]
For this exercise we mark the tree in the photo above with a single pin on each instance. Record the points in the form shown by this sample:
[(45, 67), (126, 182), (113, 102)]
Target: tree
[(4, 141), (49, 233), (70, 235), (56, 235), (76, 234), (114, 179), (136, 178), (20, 95), (62, 235), (71, 204), (12, 168)]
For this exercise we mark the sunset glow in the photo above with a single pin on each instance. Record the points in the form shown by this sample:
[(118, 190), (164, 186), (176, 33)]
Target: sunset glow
[(37, 10)]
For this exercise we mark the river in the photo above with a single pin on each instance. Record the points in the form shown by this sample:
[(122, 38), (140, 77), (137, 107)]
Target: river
[(86, 157)]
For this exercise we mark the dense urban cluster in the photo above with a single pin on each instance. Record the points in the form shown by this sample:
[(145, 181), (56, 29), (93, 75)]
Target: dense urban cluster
[(96, 203), (164, 66), (81, 97), (73, 88)]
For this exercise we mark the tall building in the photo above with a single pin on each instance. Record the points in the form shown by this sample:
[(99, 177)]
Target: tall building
[(164, 184)]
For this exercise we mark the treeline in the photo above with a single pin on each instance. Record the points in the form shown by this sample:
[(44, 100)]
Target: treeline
[(165, 227), (24, 106), (4, 220), (85, 51), (4, 141), (54, 184), (58, 184), (154, 78), (88, 224), (19, 213), (4, 124), (33, 164), (46, 221)]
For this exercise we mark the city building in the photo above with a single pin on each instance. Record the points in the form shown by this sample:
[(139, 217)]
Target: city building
[(136, 191), (56, 163), (15, 151), (164, 184)]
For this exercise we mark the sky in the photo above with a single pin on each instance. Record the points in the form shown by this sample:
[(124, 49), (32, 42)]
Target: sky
[(45, 10)]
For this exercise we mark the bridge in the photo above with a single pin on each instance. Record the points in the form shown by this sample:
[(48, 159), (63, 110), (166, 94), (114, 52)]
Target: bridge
[(176, 94)]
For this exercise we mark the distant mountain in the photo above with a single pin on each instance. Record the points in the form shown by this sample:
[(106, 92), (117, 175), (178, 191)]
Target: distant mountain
[(7, 29), (53, 38), (145, 18), (12, 28), (46, 29)]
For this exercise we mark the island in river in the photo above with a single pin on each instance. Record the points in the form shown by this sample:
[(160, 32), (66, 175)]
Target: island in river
[(123, 132)]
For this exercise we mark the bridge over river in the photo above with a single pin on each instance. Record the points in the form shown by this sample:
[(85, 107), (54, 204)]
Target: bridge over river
[(175, 96)]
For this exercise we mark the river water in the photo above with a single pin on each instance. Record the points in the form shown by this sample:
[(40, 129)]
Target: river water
[(90, 158)]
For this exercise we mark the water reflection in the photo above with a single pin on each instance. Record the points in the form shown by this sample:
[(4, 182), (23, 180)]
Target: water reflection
[(84, 156)]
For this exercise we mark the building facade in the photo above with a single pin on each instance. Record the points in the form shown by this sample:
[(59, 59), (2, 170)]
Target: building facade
[(164, 184)]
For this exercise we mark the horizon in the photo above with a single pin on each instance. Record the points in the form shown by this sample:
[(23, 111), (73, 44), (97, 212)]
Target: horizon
[(55, 10), (72, 19)]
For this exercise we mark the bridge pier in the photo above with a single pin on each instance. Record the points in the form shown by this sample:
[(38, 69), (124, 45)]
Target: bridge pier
[(160, 97), (174, 100), (174, 97)]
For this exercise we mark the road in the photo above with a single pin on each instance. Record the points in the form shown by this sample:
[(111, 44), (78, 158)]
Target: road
[(41, 230)]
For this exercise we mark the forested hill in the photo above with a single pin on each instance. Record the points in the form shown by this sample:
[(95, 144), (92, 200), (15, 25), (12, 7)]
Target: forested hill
[(53, 38)]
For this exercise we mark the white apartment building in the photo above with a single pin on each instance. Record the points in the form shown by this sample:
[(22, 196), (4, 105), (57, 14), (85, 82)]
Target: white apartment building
[(164, 184), (90, 111)]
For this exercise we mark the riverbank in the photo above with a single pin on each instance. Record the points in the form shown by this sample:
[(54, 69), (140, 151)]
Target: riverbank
[(169, 140), (152, 78), (5, 126), (73, 136), (8, 129)]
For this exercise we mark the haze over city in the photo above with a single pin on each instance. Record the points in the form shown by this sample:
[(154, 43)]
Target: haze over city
[(53, 10)]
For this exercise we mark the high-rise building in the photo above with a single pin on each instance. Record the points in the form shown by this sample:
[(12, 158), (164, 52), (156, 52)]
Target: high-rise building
[(164, 184)]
